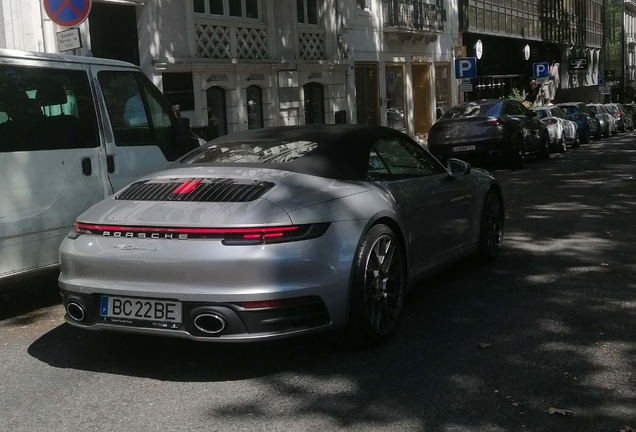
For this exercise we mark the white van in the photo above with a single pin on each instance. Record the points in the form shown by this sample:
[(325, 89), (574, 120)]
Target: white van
[(73, 130)]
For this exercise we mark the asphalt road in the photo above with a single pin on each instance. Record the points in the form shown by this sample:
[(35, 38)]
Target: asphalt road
[(556, 316)]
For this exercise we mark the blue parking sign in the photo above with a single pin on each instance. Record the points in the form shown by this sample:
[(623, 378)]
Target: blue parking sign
[(465, 67), (540, 70)]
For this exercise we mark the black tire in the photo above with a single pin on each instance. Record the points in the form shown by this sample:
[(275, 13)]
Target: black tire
[(545, 147), (577, 140), (615, 131), (562, 147), (607, 132), (585, 137), (518, 154), (384, 292), (491, 229)]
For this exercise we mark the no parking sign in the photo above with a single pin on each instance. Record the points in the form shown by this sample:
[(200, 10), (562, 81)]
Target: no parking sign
[(67, 13)]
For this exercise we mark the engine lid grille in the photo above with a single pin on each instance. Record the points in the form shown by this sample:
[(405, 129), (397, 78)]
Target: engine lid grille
[(196, 190)]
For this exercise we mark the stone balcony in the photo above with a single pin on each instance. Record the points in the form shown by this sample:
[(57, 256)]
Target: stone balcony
[(413, 20)]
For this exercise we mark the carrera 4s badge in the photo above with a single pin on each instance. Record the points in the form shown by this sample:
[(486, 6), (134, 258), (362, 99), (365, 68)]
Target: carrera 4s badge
[(135, 248)]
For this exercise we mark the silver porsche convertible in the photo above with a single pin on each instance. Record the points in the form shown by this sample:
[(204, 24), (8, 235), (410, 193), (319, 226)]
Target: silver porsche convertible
[(277, 232)]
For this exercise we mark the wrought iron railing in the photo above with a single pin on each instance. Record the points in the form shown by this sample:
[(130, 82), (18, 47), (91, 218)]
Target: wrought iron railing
[(414, 14)]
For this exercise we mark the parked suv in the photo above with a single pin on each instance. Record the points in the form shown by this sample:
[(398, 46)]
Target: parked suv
[(581, 115)]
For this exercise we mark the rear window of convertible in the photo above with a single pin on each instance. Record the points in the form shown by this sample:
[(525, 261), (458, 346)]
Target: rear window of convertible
[(250, 152)]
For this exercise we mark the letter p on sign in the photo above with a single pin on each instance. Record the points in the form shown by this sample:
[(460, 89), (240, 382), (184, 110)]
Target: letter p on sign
[(465, 67), (540, 70)]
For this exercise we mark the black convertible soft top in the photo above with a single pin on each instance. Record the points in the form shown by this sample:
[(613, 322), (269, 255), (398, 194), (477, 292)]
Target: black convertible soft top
[(341, 151)]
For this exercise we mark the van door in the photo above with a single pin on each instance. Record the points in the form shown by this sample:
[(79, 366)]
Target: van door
[(49, 159), (139, 125)]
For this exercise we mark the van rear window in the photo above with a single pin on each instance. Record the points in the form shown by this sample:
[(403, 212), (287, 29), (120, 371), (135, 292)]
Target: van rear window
[(45, 109)]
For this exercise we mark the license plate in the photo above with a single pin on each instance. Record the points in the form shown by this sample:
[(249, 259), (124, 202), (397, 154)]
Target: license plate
[(126, 310), (463, 148)]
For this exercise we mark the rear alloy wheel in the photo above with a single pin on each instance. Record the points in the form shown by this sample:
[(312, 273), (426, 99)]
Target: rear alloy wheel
[(607, 132), (585, 137), (562, 146), (378, 290), (491, 228), (545, 147), (577, 140), (518, 157)]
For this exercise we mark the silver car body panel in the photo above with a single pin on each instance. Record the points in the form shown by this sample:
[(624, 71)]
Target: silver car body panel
[(438, 217)]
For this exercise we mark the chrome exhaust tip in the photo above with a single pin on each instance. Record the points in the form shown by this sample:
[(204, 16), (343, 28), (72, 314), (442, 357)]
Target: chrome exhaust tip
[(210, 323), (76, 311)]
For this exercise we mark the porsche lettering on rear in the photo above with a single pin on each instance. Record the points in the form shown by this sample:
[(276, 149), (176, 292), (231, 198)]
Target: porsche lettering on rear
[(142, 235)]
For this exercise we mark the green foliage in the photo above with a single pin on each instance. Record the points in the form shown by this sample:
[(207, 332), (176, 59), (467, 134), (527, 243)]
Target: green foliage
[(518, 95)]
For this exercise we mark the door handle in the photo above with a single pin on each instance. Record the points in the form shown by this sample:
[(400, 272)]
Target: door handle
[(87, 166), (110, 164)]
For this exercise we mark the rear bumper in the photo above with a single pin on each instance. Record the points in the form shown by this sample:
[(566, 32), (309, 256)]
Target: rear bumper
[(485, 150), (206, 274)]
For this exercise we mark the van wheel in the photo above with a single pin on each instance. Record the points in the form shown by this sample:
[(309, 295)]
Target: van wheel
[(577, 140)]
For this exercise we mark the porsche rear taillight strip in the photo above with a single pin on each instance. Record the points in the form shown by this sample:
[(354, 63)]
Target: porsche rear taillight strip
[(229, 236), (205, 231)]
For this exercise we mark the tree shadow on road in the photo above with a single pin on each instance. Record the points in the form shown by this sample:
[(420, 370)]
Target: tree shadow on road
[(556, 316)]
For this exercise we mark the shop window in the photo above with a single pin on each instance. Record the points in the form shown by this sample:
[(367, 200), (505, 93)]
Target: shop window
[(395, 117), (254, 107), (179, 89), (314, 103), (232, 8), (307, 11), (217, 114)]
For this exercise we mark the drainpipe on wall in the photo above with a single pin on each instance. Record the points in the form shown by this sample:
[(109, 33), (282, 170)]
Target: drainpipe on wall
[(48, 32)]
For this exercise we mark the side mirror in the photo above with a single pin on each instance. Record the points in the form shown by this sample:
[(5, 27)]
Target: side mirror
[(457, 168)]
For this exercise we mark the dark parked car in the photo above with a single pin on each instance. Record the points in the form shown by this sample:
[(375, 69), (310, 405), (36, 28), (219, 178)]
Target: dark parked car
[(579, 113), (606, 121), (490, 130), (624, 120)]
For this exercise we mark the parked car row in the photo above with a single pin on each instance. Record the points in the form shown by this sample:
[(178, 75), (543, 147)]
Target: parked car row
[(504, 130), (490, 130)]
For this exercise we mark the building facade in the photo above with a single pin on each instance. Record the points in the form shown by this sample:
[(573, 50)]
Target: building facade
[(629, 24), (233, 65), (401, 54), (514, 34)]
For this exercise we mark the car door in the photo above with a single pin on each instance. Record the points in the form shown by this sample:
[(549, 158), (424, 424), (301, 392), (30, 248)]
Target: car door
[(139, 132), (437, 207), (50, 156)]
